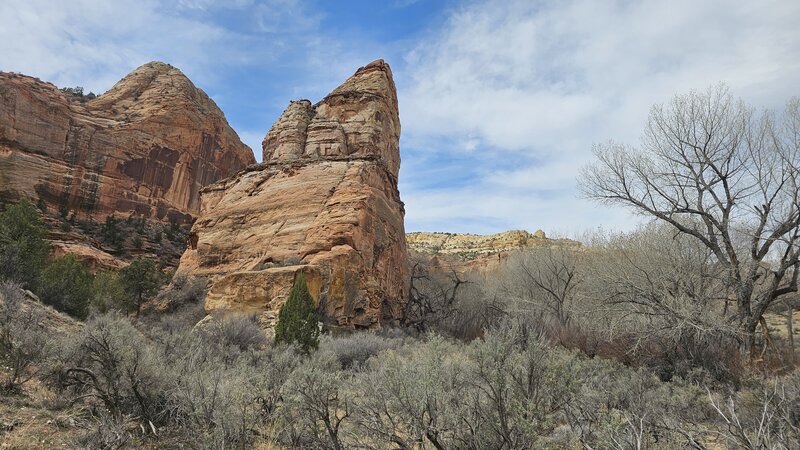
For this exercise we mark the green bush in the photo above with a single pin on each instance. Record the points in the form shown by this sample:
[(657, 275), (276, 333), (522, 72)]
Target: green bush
[(23, 244), (298, 320), (66, 285)]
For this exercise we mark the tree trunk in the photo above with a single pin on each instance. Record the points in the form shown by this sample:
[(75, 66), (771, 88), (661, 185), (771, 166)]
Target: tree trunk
[(749, 337), (790, 330), (765, 332)]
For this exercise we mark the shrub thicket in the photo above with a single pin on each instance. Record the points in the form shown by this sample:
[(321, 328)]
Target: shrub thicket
[(217, 388)]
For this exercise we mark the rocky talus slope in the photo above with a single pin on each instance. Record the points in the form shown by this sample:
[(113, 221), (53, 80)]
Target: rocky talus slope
[(145, 147), (324, 202)]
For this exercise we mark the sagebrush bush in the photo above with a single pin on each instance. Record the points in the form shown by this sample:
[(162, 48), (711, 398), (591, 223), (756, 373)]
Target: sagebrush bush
[(411, 404), (316, 403), (182, 291), (25, 342), (110, 360), (102, 432), (355, 349), (237, 330)]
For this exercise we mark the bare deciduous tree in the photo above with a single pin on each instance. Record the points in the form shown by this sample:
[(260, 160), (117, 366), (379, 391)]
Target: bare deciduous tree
[(545, 279), (668, 281), (433, 292), (714, 170)]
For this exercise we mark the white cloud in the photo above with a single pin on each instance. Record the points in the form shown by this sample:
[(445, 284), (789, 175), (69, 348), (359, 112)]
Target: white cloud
[(95, 43), (537, 83), (90, 43)]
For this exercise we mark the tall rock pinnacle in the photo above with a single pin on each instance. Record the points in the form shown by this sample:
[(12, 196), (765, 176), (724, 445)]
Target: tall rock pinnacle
[(324, 202)]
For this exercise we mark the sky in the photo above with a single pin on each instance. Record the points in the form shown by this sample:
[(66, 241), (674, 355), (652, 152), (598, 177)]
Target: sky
[(500, 101)]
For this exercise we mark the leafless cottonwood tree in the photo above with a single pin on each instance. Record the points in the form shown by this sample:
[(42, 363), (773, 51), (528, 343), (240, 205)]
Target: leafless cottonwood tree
[(544, 279), (447, 298), (433, 292), (715, 170)]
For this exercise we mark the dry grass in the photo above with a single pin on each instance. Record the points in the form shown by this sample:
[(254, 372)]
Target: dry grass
[(776, 323), (28, 420)]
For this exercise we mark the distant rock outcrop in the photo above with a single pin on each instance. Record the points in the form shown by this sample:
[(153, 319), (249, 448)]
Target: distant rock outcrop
[(145, 147), (478, 252), (324, 202)]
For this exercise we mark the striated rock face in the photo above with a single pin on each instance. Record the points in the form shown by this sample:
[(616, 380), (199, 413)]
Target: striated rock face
[(324, 201), (145, 147)]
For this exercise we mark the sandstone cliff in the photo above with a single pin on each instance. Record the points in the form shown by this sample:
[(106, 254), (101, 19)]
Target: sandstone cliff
[(145, 147), (324, 201)]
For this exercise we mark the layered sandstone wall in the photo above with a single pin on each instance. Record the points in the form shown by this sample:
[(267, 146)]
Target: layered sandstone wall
[(145, 147), (324, 202)]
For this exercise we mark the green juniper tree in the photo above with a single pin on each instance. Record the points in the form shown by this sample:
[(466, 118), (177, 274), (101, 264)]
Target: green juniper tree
[(66, 284), (23, 244), (298, 320), (141, 280)]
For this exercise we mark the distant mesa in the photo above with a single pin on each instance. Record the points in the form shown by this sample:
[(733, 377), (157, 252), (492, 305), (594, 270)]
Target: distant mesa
[(475, 252), (475, 244)]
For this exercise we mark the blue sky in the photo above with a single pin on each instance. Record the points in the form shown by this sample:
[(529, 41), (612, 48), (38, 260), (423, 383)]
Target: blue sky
[(500, 101)]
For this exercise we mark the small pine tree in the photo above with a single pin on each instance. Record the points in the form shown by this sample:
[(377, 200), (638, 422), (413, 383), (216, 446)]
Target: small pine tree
[(298, 320)]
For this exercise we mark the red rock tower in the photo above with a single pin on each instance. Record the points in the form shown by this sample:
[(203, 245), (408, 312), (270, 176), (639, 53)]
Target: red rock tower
[(324, 202)]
